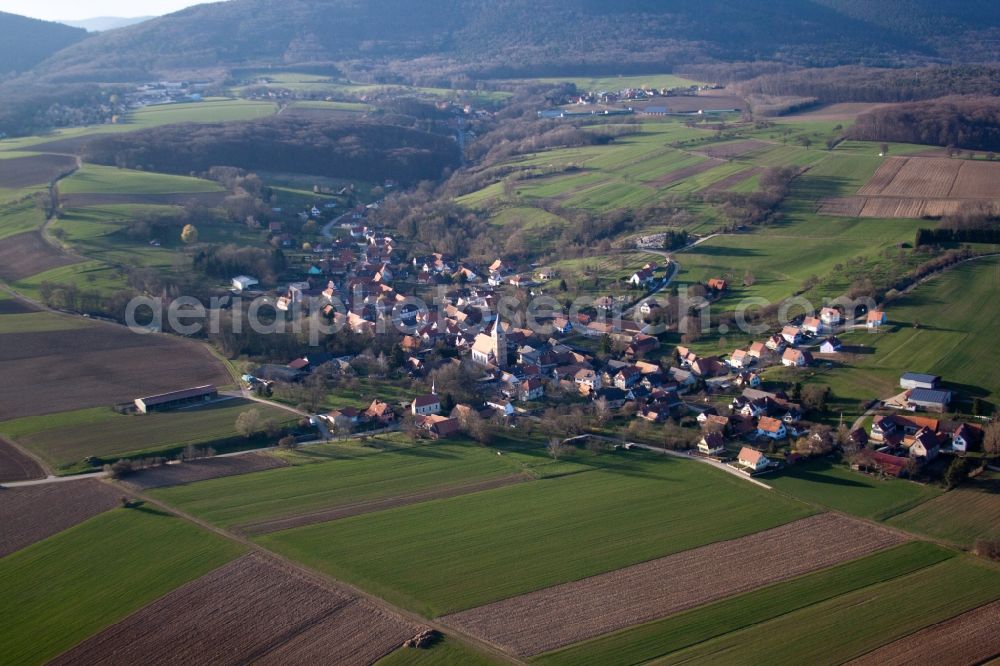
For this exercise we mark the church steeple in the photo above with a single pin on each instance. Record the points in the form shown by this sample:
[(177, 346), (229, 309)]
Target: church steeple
[(499, 344)]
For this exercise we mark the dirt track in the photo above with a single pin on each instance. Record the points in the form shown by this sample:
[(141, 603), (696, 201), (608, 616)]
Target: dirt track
[(251, 610), (16, 466), (28, 254), (547, 619), (32, 513), (971, 638), (99, 364), (202, 470), (20, 172), (278, 524)]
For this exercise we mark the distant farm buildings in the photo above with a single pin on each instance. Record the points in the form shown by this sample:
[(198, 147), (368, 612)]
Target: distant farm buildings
[(176, 399)]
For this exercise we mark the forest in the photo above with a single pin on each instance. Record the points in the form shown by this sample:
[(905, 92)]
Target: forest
[(972, 123), (331, 147)]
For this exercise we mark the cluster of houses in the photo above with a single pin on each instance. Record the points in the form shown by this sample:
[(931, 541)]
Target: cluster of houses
[(898, 438), (637, 94)]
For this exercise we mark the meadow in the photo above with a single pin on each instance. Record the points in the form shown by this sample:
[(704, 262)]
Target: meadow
[(348, 477), (655, 639), (835, 486), (95, 179), (75, 583), (158, 433), (959, 516), (448, 555)]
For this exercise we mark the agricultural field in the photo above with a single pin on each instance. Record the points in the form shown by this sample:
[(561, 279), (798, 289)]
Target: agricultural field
[(446, 652), (448, 555), (550, 618), (349, 480), (31, 513), (645, 642), (94, 185), (20, 217), (968, 639), (940, 327), (28, 254), (816, 634), (95, 364), (17, 170), (619, 82), (15, 465), (192, 471), (913, 187), (841, 489), (74, 584), (163, 433), (253, 609), (960, 516)]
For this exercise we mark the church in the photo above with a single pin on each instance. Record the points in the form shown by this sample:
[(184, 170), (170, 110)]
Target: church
[(491, 350)]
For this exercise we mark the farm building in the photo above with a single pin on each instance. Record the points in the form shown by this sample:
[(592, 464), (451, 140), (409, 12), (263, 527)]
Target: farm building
[(829, 316), (717, 284), (915, 380), (244, 282), (175, 399), (932, 400)]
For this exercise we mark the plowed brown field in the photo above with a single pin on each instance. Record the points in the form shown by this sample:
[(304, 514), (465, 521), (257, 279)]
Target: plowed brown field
[(251, 610), (20, 172), (17, 466), (27, 254), (573, 612), (96, 364), (202, 470), (32, 513), (970, 638)]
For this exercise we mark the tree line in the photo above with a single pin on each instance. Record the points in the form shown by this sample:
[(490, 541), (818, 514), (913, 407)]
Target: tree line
[(965, 122)]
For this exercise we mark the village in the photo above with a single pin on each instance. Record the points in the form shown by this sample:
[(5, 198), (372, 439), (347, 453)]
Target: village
[(614, 372)]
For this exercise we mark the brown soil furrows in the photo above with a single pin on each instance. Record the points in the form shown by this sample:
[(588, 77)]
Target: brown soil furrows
[(573, 612), (32, 513), (977, 180), (28, 254), (737, 149), (179, 199), (733, 180), (679, 175), (925, 178), (253, 609), (970, 638), (885, 174), (380, 504), (843, 206), (202, 470), (18, 172), (97, 364), (15, 465)]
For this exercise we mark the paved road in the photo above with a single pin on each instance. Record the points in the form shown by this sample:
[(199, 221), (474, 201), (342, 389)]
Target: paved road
[(676, 454)]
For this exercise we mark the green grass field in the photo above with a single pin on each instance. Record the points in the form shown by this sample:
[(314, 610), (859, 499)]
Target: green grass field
[(148, 434), (959, 516), (619, 82), (68, 587), (336, 482), (94, 179), (447, 555), (839, 488), (38, 322), (18, 217), (837, 630), (677, 632)]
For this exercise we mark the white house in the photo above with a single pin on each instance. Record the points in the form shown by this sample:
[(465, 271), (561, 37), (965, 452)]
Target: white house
[(740, 359), (425, 405), (876, 319), (772, 428), (795, 358), (642, 278), (792, 334), (812, 325), (244, 282), (753, 459), (830, 317), (712, 444), (830, 346)]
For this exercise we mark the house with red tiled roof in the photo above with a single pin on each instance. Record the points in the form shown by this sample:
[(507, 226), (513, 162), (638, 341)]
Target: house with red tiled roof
[(772, 428), (752, 459)]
